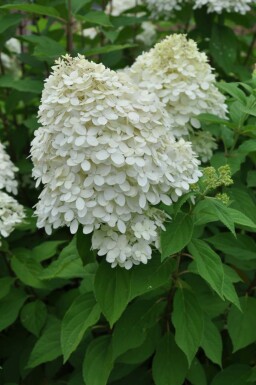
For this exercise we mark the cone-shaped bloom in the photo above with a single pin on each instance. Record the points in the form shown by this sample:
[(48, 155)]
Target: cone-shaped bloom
[(183, 80), (103, 153)]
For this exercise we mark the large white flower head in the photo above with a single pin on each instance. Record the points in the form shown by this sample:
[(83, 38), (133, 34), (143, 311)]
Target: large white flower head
[(103, 153), (239, 6), (11, 214), (182, 78), (7, 172), (163, 8)]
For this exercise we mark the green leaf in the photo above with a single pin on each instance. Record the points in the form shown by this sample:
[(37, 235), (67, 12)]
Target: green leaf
[(209, 118), (107, 49), (112, 290), (212, 342), (145, 350), (188, 320), (169, 364), (233, 90), (98, 361), (222, 213), (145, 278), (33, 316), (22, 85), (177, 235), (196, 374), (5, 286), (251, 178), (10, 306), (46, 250), (241, 324), (236, 374), (223, 47), (243, 201), (241, 219), (7, 21), (76, 5), (242, 247), (27, 269), (230, 293), (248, 146), (33, 8), (83, 313), (47, 347), (132, 328), (96, 17), (208, 264), (68, 265), (46, 49)]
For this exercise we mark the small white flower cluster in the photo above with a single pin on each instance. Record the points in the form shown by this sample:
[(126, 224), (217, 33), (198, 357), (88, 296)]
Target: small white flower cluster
[(117, 7), (147, 36), (180, 76), (11, 214), (103, 152), (135, 245), (163, 8), (203, 144), (218, 6), (9, 61), (7, 172)]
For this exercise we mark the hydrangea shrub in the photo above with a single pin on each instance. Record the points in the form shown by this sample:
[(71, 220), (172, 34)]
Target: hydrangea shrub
[(132, 260)]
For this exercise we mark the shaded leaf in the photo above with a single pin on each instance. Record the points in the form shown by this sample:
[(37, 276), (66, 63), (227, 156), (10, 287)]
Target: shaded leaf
[(169, 364), (98, 361), (177, 235), (188, 320), (83, 313)]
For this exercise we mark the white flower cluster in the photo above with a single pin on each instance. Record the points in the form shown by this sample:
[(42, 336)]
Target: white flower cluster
[(7, 172), (148, 33), (239, 6), (11, 213), (163, 8), (203, 144), (135, 245), (180, 76), (103, 152), (116, 7), (9, 61)]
